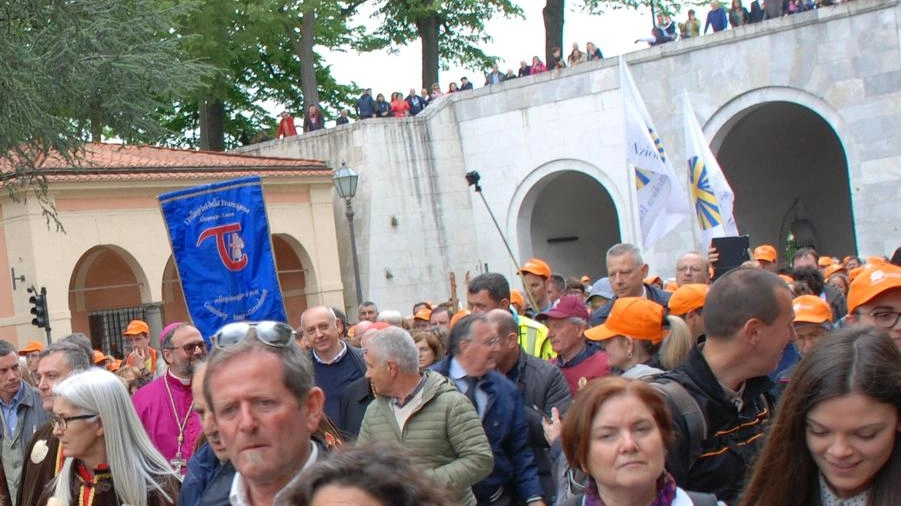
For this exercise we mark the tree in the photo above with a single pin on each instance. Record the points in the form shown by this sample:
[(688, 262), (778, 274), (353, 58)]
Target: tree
[(553, 26), (450, 31), (73, 71), (264, 53)]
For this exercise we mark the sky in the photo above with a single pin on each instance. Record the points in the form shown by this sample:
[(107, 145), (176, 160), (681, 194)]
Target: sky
[(514, 40)]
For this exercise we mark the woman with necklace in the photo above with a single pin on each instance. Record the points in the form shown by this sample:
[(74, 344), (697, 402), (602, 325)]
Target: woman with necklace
[(109, 460), (835, 440), (615, 433)]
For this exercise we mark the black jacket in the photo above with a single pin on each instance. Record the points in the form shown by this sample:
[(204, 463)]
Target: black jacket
[(734, 437), (543, 387), (354, 401)]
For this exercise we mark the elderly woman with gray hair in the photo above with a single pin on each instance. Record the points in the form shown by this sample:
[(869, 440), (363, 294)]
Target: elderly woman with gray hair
[(109, 459)]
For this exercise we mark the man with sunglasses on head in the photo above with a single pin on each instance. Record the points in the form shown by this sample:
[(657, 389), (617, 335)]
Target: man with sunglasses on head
[(165, 405), (259, 386)]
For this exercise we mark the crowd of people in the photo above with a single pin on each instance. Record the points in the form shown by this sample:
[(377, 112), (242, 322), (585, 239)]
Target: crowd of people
[(625, 390), (665, 30)]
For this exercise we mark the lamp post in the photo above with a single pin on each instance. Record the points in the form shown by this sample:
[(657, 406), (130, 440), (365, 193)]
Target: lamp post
[(346, 184)]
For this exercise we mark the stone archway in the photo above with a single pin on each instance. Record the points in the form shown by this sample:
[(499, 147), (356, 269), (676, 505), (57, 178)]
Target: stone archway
[(295, 275), (570, 219), (783, 155), (106, 290)]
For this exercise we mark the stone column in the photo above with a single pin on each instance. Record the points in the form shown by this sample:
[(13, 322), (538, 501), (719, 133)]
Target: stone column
[(154, 315)]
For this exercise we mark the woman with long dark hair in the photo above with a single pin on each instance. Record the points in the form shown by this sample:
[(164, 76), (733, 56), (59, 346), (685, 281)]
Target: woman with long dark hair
[(835, 439)]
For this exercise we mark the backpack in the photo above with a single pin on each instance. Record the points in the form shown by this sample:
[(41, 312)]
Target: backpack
[(689, 410)]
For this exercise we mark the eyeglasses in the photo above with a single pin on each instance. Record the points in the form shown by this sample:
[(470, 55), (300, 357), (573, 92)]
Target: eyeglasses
[(689, 268), (885, 319), (491, 341), (275, 334), (190, 347), (62, 422)]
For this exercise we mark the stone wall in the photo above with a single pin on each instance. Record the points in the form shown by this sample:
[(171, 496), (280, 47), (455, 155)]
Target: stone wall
[(417, 220)]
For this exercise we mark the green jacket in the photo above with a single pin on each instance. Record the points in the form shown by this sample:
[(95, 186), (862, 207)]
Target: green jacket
[(443, 436)]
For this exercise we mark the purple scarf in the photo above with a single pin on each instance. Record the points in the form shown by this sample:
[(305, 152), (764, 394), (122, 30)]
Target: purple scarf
[(666, 492)]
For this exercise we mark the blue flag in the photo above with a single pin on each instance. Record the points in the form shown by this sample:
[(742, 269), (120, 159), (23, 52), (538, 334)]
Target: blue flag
[(223, 252)]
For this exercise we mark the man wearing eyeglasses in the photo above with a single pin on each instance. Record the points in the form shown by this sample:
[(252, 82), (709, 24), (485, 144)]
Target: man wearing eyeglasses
[(692, 268), (165, 405), (470, 366), (874, 298)]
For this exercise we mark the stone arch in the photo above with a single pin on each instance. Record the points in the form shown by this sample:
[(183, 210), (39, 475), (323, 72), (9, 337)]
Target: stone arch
[(107, 287), (573, 232), (784, 147), (295, 275)]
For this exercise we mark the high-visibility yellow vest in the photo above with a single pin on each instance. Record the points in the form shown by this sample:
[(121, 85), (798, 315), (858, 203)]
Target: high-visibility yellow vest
[(533, 338)]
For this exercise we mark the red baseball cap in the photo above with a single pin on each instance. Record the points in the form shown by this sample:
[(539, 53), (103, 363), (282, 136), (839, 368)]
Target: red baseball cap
[(568, 306)]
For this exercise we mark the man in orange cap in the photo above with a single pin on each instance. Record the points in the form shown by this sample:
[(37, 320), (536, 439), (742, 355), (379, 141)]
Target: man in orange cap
[(687, 303), (766, 257), (874, 298), (140, 354), (626, 271), (537, 275), (813, 320), (31, 352), (421, 318)]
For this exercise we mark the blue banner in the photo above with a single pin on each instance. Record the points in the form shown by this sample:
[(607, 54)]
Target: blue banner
[(223, 252)]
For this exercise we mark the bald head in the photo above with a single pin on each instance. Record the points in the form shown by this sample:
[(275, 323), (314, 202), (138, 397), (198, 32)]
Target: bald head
[(692, 268)]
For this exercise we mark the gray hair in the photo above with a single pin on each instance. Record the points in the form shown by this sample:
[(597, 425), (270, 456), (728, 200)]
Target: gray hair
[(137, 466), (297, 369), (462, 331), (82, 341), (6, 348), (395, 343), (391, 317), (76, 358), (624, 248), (166, 339)]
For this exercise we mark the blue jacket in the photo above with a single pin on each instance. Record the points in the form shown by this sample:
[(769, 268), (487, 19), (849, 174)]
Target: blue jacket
[(365, 106), (505, 424), (202, 466), (717, 20)]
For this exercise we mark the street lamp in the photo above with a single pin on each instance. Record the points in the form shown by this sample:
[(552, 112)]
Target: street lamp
[(345, 180)]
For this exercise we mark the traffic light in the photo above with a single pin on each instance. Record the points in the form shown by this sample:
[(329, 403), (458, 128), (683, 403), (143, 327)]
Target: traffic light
[(39, 308)]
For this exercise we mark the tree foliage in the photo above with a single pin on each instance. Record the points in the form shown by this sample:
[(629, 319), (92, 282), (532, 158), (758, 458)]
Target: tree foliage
[(451, 31), (70, 70)]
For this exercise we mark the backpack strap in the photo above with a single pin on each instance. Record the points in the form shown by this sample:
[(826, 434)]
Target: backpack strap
[(702, 499), (690, 411)]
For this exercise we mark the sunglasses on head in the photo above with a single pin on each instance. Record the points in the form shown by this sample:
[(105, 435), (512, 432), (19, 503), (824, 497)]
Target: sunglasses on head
[(276, 334)]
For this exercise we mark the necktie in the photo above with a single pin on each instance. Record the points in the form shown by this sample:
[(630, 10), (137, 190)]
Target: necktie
[(473, 384)]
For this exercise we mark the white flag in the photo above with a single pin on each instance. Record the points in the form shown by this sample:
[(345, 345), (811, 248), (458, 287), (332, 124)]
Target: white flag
[(711, 196), (661, 202)]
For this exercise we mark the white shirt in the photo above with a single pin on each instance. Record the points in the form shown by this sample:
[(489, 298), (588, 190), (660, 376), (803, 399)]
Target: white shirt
[(238, 495)]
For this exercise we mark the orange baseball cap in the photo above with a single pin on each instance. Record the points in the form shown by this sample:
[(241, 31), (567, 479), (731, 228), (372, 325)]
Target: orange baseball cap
[(516, 298), (788, 279), (99, 357), (832, 270), (765, 252), (633, 317), (825, 261), (136, 327), (872, 282), (457, 317), (32, 346), (537, 267), (688, 297), (812, 309), (585, 279), (424, 313), (654, 278), (671, 287)]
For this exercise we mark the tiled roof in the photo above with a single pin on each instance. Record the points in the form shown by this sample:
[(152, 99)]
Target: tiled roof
[(113, 162)]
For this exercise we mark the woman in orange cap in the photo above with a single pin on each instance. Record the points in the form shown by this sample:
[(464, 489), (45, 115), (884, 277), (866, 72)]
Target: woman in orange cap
[(632, 333)]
